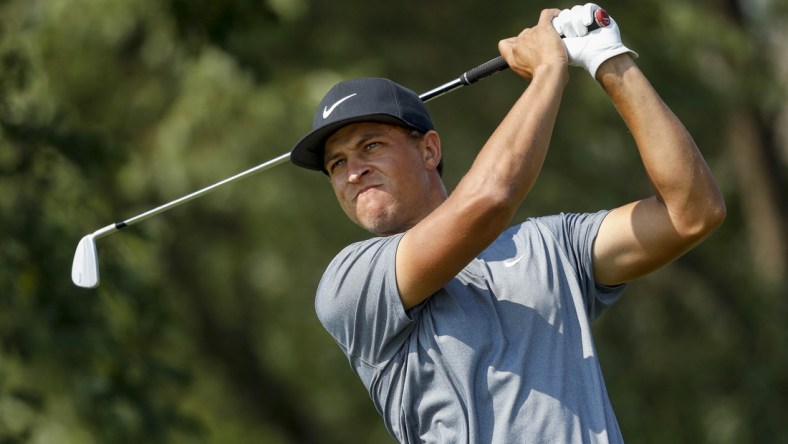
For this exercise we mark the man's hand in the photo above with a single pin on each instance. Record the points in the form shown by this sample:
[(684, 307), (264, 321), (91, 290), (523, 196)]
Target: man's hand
[(575, 22), (535, 47), (589, 49)]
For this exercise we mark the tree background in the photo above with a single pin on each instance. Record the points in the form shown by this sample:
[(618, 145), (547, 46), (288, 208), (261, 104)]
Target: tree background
[(203, 328)]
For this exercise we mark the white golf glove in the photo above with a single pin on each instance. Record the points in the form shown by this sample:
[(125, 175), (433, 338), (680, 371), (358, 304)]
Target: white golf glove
[(589, 49)]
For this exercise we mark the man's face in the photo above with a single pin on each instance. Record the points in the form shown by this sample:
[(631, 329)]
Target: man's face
[(380, 175)]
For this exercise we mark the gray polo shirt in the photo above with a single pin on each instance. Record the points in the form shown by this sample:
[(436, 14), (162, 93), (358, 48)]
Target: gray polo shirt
[(502, 354)]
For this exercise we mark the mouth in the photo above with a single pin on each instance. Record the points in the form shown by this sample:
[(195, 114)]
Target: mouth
[(364, 191)]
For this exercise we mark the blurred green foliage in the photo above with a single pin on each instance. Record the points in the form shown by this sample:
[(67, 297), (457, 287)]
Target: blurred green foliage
[(203, 327)]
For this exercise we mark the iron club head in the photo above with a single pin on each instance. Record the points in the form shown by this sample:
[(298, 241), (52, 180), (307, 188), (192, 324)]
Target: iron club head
[(85, 270)]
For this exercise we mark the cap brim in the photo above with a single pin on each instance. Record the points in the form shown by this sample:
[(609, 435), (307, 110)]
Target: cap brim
[(308, 152)]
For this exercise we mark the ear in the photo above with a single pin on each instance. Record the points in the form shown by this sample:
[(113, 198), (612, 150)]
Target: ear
[(432, 149)]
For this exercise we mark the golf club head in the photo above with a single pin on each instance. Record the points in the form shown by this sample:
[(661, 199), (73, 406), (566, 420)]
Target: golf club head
[(85, 269)]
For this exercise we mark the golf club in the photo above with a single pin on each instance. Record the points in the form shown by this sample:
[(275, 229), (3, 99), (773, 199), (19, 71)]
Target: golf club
[(85, 268)]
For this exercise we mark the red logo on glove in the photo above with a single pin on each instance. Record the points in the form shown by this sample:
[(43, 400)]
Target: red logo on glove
[(601, 18)]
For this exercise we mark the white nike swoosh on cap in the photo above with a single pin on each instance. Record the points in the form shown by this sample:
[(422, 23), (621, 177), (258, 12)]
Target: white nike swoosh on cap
[(512, 262), (327, 111)]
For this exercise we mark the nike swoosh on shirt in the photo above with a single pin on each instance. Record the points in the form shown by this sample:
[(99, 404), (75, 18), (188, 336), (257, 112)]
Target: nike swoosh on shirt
[(327, 111), (512, 262)]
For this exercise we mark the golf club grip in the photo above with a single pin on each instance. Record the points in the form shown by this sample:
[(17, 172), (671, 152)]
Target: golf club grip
[(490, 67), (487, 68)]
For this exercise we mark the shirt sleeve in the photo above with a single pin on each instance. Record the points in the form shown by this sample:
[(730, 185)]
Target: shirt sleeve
[(358, 302), (576, 234)]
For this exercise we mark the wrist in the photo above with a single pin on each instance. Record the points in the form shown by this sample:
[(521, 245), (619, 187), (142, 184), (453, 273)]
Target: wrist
[(615, 67), (557, 70)]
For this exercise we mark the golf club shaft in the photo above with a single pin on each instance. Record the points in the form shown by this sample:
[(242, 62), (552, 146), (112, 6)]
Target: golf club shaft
[(475, 74), (262, 167)]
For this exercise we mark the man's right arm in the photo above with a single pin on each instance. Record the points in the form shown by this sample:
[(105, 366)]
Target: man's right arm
[(485, 200)]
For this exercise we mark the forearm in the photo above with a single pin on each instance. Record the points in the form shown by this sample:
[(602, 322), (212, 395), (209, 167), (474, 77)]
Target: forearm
[(483, 203), (675, 166), (509, 163)]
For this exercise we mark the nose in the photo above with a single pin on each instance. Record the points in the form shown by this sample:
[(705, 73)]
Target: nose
[(357, 169)]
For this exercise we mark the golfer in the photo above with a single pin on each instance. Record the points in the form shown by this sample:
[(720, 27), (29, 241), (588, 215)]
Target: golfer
[(463, 327)]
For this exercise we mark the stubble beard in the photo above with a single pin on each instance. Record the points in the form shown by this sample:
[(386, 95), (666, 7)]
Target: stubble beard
[(380, 223), (381, 219)]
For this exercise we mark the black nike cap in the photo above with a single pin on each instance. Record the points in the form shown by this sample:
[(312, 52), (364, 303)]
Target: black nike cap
[(359, 100)]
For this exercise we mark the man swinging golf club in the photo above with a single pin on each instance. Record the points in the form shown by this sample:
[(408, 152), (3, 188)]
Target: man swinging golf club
[(462, 327)]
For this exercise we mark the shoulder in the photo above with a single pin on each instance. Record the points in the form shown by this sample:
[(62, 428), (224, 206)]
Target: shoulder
[(357, 300), (363, 254), (566, 227), (573, 234), (360, 268), (567, 220)]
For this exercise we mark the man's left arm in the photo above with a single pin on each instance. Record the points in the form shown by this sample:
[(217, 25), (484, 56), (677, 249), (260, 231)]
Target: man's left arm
[(642, 236)]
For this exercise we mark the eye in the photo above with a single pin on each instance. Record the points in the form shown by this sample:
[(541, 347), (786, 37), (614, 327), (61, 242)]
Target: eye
[(371, 145), (334, 164)]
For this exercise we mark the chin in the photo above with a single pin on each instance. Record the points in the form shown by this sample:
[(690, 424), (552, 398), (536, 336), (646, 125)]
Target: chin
[(377, 228), (376, 219), (381, 225)]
